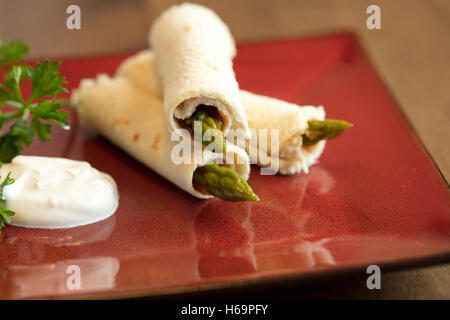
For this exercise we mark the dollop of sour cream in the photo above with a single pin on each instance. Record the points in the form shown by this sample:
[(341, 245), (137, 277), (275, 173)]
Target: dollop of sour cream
[(57, 193)]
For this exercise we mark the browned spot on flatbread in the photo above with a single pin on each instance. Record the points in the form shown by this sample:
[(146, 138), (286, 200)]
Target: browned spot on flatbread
[(187, 28), (155, 144), (119, 122), (136, 137)]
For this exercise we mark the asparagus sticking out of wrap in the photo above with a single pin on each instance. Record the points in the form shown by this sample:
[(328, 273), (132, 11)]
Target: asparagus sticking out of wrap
[(302, 130), (224, 183), (324, 130)]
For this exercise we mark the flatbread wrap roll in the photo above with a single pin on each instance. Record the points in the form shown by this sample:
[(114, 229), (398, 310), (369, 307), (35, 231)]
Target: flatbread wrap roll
[(291, 123), (194, 51), (262, 113), (133, 119)]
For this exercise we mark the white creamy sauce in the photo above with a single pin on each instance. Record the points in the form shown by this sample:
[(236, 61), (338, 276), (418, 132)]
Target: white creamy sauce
[(57, 193)]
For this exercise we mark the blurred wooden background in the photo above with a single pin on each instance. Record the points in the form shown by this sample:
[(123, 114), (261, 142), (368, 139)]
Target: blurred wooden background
[(411, 53)]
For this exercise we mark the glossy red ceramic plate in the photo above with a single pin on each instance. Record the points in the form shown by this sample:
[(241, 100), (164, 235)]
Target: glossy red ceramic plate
[(376, 197)]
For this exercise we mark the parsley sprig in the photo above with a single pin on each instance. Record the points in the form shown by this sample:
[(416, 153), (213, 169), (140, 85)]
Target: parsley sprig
[(5, 214), (30, 116)]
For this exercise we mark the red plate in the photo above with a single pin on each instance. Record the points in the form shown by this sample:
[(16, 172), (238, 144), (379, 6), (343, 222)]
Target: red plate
[(375, 197)]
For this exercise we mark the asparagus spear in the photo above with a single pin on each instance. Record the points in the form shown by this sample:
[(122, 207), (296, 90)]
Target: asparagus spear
[(324, 129), (224, 183), (208, 122)]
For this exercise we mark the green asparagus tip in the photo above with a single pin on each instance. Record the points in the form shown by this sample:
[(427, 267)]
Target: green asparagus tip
[(224, 183), (324, 129)]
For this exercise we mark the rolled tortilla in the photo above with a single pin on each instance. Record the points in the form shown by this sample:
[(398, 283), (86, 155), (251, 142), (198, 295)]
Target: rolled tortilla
[(194, 51), (291, 122), (262, 113), (133, 119)]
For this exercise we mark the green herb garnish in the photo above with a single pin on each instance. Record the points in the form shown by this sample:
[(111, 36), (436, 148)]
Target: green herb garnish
[(5, 214), (28, 113), (12, 51)]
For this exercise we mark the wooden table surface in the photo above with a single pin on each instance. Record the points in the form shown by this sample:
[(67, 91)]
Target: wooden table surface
[(411, 53)]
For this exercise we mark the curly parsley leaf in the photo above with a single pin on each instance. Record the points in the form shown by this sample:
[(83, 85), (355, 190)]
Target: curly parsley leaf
[(49, 110), (32, 116), (46, 80), (12, 51), (10, 88), (10, 147), (5, 214)]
